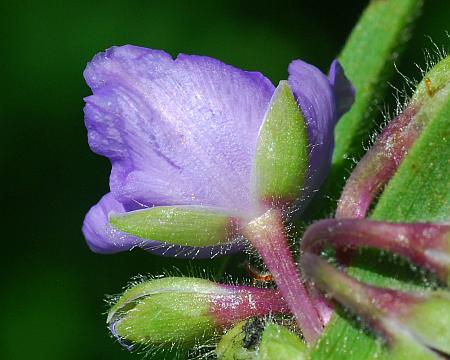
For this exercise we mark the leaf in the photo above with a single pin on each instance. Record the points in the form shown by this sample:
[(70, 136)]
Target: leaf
[(420, 191), (368, 60)]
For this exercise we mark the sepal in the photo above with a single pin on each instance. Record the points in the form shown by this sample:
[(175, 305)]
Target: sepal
[(281, 160), (194, 226)]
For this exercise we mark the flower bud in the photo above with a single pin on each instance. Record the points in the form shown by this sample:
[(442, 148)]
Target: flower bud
[(232, 344), (254, 340), (278, 342), (182, 310)]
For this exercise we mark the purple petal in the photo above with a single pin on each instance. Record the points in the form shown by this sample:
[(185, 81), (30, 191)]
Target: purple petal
[(344, 92), (177, 131), (322, 101), (102, 238)]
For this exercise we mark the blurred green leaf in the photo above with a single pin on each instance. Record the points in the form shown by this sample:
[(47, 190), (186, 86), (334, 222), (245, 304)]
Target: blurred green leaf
[(368, 58)]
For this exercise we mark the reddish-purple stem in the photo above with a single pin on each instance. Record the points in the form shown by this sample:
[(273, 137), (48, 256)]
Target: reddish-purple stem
[(245, 301), (370, 302), (267, 235), (425, 244), (378, 165)]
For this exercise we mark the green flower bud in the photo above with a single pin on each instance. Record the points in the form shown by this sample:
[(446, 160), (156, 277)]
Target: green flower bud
[(177, 310), (231, 345), (278, 343), (253, 340), (164, 311)]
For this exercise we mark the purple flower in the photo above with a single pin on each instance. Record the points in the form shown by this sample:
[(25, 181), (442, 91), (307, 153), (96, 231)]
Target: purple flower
[(184, 132)]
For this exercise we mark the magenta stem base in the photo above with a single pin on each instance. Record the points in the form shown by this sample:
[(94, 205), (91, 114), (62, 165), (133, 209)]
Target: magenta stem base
[(267, 235)]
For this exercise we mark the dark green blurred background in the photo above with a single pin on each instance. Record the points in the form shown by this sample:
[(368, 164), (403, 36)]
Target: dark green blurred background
[(53, 287)]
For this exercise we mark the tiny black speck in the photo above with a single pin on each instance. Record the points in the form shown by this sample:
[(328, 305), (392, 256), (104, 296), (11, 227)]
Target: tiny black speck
[(253, 329)]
